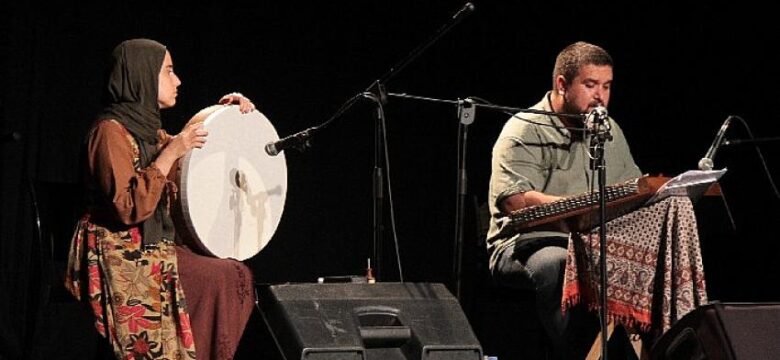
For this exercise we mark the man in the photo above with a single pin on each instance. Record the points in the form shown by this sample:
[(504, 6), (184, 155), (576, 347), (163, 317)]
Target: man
[(539, 159)]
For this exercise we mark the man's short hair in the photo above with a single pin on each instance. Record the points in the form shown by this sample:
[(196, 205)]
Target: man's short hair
[(574, 56)]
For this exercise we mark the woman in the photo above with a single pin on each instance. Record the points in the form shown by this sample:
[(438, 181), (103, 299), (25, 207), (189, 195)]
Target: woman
[(151, 297)]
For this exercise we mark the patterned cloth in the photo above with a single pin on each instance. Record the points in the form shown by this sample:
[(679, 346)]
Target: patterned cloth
[(654, 267), (135, 294)]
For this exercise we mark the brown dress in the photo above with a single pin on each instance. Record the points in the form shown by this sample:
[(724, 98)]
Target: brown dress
[(138, 294)]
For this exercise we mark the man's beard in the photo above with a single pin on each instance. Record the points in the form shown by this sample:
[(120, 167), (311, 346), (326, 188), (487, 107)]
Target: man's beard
[(570, 108)]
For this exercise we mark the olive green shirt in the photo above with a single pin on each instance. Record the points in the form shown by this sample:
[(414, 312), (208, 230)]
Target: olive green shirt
[(551, 160)]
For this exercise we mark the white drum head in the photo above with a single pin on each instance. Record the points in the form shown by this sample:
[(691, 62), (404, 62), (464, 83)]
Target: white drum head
[(232, 191)]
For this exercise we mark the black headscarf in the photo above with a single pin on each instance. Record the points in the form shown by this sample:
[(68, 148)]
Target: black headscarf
[(131, 99)]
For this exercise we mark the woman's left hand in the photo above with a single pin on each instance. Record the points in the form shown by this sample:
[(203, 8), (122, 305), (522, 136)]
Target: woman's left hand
[(244, 104)]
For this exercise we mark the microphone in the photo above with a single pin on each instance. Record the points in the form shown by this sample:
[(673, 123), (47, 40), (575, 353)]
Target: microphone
[(706, 162), (595, 118), (298, 141), (465, 10)]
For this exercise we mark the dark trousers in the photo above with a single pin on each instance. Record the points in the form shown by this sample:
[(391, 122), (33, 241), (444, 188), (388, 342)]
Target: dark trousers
[(540, 267)]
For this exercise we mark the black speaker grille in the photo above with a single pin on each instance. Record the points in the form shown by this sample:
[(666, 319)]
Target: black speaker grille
[(368, 321)]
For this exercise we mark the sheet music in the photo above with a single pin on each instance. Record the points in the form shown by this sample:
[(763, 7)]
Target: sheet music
[(692, 183)]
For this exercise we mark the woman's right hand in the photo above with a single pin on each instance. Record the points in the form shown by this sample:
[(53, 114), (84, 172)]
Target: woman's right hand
[(193, 136)]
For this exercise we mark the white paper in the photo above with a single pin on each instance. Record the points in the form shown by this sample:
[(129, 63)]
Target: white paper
[(692, 183)]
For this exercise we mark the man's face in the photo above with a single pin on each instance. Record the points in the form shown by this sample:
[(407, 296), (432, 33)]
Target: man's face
[(590, 88)]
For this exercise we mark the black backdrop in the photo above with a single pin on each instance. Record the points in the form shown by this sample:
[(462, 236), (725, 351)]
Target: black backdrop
[(680, 71)]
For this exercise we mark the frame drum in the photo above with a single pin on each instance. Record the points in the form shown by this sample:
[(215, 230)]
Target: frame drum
[(232, 192)]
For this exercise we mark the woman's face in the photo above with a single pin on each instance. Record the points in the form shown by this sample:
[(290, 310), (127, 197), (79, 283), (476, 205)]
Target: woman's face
[(167, 84)]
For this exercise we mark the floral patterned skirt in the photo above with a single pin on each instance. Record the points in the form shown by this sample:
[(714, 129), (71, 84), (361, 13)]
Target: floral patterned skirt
[(135, 294)]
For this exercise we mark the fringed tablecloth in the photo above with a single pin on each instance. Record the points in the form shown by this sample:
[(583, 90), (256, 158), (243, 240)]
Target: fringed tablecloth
[(654, 267)]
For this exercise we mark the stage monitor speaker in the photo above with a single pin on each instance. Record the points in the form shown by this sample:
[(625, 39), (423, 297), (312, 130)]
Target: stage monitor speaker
[(723, 331), (384, 321)]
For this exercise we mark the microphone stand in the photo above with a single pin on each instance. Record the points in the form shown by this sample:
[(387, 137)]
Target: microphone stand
[(597, 140), (378, 89), (376, 93), (755, 141), (378, 183), (466, 115), (751, 141)]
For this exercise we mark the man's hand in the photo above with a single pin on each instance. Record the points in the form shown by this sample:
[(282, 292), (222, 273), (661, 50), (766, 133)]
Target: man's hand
[(525, 199)]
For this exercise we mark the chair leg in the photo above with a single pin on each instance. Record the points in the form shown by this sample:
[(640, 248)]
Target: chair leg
[(635, 341), (636, 344), (595, 349)]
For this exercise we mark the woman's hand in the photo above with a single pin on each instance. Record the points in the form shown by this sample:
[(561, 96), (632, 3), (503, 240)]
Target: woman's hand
[(244, 104), (193, 136)]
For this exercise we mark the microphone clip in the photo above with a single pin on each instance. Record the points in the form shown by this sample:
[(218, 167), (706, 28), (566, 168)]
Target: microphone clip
[(376, 92), (466, 111), (302, 142)]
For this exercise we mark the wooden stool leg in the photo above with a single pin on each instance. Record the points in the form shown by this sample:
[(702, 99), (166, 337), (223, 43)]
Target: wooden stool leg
[(636, 345), (595, 349)]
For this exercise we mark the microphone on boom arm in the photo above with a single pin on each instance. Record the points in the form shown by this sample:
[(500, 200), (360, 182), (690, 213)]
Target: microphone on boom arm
[(299, 141)]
